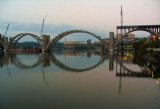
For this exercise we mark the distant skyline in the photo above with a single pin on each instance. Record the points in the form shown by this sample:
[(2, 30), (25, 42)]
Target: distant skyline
[(103, 15)]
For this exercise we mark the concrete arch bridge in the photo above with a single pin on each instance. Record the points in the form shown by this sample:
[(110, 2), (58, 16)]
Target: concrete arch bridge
[(45, 42), (49, 46)]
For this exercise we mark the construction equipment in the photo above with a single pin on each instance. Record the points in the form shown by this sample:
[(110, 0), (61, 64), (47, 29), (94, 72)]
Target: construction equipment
[(42, 26), (6, 30)]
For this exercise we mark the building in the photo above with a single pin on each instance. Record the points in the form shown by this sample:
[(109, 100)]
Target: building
[(72, 43), (106, 40)]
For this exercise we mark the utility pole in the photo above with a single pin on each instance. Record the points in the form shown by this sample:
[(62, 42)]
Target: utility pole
[(42, 26)]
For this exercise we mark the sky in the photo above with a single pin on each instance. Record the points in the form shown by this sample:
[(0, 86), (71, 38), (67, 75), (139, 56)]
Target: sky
[(96, 15)]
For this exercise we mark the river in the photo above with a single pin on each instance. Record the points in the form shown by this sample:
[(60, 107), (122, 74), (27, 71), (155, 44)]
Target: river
[(77, 80)]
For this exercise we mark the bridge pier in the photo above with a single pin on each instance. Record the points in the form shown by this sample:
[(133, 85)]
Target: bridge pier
[(45, 42), (45, 60), (5, 44), (111, 61), (111, 44), (12, 44)]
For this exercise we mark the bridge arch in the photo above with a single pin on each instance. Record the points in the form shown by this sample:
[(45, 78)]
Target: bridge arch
[(67, 68), (16, 38), (19, 64), (144, 29), (60, 36)]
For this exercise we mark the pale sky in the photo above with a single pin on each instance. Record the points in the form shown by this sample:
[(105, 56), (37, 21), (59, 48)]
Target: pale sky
[(102, 15)]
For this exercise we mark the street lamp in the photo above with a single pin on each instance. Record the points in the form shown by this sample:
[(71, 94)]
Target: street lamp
[(154, 37)]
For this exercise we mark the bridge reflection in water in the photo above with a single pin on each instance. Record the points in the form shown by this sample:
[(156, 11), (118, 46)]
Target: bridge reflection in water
[(47, 58), (126, 67), (122, 59)]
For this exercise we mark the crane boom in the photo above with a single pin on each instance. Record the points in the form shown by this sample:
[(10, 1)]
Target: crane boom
[(6, 30), (42, 26)]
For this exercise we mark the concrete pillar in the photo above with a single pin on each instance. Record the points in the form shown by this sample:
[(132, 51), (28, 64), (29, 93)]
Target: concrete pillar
[(157, 30), (111, 61), (10, 39), (12, 56), (45, 60), (12, 44), (6, 59), (48, 39), (111, 44), (154, 29), (125, 31), (45, 42), (5, 44)]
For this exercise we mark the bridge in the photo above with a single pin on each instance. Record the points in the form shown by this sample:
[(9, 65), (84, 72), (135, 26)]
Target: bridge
[(48, 44), (45, 42), (152, 29)]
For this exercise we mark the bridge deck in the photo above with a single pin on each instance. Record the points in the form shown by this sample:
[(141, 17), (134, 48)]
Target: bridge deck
[(138, 26)]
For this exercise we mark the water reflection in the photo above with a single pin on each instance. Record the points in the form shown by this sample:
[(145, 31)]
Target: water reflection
[(44, 60), (128, 67), (124, 59), (47, 58), (104, 75)]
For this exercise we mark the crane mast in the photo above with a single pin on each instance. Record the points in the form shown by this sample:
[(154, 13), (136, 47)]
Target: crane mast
[(121, 13), (42, 26), (6, 30)]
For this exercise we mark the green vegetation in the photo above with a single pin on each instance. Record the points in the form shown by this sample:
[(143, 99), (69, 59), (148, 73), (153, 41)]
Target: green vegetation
[(144, 44), (142, 52)]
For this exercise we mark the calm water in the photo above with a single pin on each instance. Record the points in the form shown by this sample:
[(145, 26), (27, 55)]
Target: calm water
[(76, 80)]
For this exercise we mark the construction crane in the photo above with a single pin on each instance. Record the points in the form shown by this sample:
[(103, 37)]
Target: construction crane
[(42, 26), (6, 30)]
